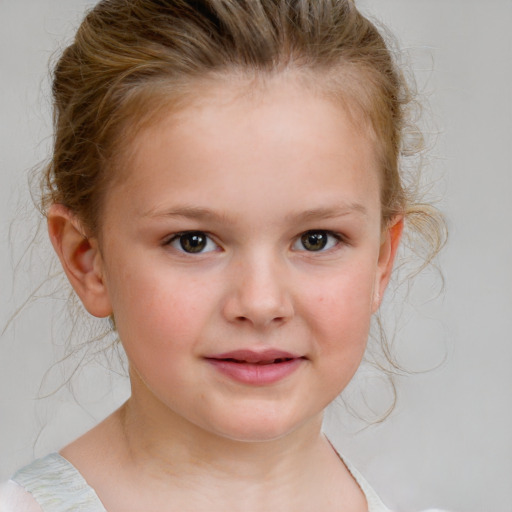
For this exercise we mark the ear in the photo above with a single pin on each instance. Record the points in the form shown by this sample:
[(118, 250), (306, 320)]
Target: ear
[(80, 258), (389, 245)]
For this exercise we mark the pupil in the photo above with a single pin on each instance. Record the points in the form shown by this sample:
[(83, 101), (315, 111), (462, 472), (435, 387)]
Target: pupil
[(193, 242), (314, 241)]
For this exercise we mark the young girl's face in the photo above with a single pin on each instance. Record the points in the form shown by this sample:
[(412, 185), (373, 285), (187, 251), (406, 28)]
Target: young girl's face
[(243, 256)]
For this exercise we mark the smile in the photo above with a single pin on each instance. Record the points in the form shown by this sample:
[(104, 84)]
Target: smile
[(256, 368), (263, 362)]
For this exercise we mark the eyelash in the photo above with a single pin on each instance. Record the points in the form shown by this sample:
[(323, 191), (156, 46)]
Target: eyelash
[(200, 240), (179, 239), (335, 240)]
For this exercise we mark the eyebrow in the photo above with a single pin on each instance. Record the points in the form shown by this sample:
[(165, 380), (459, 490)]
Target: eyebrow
[(322, 213), (190, 212)]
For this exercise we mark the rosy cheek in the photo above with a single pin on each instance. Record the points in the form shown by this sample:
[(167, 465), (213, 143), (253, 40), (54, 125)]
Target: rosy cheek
[(341, 309)]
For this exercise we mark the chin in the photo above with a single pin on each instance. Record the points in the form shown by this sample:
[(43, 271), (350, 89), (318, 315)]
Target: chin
[(262, 428)]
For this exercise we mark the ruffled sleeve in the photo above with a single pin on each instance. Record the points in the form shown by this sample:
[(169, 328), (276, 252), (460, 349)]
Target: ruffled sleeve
[(57, 486)]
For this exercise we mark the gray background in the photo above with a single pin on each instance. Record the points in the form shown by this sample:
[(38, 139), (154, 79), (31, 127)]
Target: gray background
[(449, 441)]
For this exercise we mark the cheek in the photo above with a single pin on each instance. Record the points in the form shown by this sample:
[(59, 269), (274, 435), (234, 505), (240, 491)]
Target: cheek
[(340, 310), (161, 321), (159, 310)]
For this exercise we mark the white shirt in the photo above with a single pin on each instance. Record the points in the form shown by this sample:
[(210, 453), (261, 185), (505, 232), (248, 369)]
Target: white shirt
[(53, 484)]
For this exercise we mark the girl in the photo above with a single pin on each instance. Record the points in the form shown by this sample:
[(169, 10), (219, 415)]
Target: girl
[(225, 187)]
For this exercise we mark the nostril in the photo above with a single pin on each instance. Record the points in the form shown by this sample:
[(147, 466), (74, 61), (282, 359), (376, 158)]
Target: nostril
[(271, 321)]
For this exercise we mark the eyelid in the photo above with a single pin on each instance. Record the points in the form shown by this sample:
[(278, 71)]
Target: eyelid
[(168, 241), (340, 239)]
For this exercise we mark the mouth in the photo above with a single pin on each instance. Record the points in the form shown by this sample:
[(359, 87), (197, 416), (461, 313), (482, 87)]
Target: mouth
[(264, 357), (256, 368), (260, 363)]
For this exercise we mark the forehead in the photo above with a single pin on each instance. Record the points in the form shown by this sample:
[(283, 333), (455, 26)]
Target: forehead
[(245, 142), (167, 102)]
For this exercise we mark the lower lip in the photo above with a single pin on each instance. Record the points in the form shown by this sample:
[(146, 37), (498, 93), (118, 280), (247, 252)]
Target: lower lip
[(256, 374)]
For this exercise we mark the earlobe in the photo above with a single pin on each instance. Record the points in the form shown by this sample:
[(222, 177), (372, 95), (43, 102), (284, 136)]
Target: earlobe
[(80, 258), (390, 242)]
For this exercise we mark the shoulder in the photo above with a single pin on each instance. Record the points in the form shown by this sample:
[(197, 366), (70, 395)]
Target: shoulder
[(53, 484), (14, 498)]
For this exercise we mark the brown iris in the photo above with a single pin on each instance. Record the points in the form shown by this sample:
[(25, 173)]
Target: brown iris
[(193, 242), (314, 240)]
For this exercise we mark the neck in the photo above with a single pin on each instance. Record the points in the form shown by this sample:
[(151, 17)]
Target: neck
[(172, 460), (159, 440), (153, 459)]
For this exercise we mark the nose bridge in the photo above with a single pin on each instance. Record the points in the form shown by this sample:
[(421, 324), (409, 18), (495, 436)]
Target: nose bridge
[(259, 292)]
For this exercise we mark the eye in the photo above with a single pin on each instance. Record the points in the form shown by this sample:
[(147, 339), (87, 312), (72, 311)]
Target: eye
[(192, 242), (316, 241)]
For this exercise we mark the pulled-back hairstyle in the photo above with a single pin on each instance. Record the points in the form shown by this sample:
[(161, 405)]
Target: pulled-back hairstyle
[(132, 59)]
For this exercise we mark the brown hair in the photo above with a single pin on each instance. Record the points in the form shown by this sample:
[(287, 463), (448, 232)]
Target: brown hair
[(130, 55)]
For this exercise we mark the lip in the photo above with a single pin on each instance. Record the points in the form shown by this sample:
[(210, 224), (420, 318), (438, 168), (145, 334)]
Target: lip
[(256, 368)]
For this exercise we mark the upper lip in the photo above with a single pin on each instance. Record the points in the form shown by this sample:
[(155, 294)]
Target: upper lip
[(255, 356)]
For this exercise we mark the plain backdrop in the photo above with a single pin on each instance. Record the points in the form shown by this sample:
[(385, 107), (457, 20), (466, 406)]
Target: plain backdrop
[(449, 441)]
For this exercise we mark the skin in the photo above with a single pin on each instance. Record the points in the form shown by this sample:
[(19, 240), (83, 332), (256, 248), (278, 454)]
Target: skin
[(254, 172)]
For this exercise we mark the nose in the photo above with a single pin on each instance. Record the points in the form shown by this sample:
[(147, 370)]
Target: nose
[(258, 293)]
